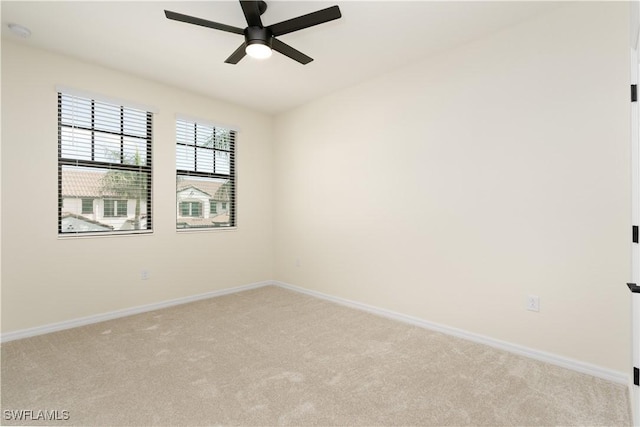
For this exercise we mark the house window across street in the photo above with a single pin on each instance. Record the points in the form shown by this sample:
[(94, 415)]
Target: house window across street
[(191, 209), (104, 167), (205, 176), (87, 206), (115, 208)]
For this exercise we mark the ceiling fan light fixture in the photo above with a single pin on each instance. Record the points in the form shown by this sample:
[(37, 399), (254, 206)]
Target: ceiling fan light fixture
[(258, 39), (258, 50)]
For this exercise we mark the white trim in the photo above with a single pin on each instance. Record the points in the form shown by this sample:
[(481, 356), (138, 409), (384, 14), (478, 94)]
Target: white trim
[(634, 392), (74, 323), (197, 230), (99, 97), (206, 122), (635, 25), (103, 234), (554, 359), (564, 362)]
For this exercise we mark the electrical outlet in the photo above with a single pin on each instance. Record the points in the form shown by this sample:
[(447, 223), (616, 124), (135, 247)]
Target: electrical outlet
[(297, 262), (533, 303), (145, 275)]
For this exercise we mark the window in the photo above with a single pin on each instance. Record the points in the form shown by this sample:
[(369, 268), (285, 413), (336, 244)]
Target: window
[(205, 175), (193, 209), (115, 208), (87, 206), (104, 160)]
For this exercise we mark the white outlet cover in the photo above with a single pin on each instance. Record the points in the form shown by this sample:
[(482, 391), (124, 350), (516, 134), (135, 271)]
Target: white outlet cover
[(533, 303)]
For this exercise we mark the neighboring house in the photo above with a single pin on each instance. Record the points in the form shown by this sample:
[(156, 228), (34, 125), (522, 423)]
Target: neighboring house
[(87, 207), (202, 203)]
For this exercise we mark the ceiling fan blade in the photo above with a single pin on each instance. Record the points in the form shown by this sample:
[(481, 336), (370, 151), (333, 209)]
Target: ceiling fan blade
[(251, 13), (292, 53), (305, 21), (237, 55), (202, 22)]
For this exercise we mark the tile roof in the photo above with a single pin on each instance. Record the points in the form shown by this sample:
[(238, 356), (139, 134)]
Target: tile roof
[(222, 219), (209, 187), (82, 183), (87, 183), (94, 225)]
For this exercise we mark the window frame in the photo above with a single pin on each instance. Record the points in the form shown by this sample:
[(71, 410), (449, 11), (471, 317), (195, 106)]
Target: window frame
[(146, 169), (116, 208), (85, 201), (190, 204), (231, 177)]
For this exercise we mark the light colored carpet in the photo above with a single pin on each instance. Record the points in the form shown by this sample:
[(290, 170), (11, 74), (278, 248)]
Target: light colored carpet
[(270, 356)]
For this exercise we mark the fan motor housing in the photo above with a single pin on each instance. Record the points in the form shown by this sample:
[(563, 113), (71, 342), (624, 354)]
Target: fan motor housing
[(253, 35)]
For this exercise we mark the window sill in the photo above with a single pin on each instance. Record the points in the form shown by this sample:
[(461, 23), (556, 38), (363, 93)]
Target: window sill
[(70, 236), (205, 230)]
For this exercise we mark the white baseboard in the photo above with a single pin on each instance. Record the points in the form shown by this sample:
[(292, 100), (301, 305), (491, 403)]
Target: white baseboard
[(74, 323), (586, 368), (554, 359)]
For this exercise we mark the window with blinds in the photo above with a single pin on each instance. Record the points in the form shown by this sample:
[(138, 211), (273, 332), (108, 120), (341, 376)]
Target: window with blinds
[(205, 176), (104, 167)]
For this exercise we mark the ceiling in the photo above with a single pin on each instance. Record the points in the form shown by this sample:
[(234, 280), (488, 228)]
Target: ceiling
[(371, 38)]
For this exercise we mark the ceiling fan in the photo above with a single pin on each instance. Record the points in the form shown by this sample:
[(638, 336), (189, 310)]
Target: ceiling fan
[(258, 39)]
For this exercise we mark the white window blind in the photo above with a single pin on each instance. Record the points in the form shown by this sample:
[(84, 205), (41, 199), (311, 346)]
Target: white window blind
[(104, 167), (205, 175)]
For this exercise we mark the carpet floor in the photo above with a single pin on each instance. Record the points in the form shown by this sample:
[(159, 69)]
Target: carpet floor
[(270, 356)]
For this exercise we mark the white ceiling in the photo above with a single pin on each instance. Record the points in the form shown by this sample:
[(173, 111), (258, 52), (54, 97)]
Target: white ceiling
[(371, 38)]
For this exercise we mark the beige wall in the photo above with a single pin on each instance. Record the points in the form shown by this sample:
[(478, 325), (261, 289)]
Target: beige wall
[(452, 189), (46, 279)]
